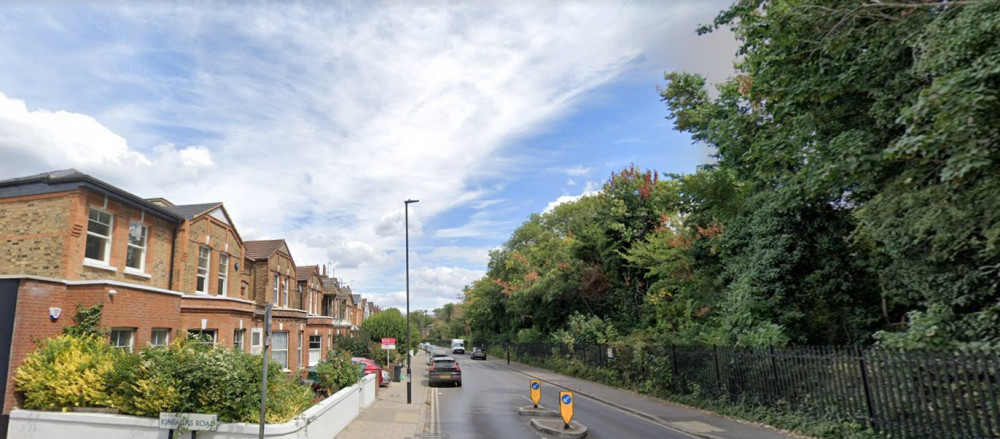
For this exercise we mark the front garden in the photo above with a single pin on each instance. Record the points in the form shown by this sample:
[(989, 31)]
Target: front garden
[(81, 369)]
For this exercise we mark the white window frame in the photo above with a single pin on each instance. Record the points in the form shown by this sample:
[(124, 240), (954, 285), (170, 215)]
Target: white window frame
[(204, 257), (106, 239), (123, 338), (315, 353), (301, 333), (213, 332), (159, 333), (276, 290), (285, 291), (239, 337), (279, 351), (256, 340), (137, 248), (223, 280)]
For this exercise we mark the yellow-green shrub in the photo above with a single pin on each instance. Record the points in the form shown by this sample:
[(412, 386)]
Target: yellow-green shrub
[(66, 371), (85, 371), (286, 398)]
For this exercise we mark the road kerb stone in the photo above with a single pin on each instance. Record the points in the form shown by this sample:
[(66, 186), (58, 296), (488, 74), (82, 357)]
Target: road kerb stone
[(537, 412), (555, 427)]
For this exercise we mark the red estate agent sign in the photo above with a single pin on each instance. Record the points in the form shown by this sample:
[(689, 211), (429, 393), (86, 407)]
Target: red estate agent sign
[(388, 343)]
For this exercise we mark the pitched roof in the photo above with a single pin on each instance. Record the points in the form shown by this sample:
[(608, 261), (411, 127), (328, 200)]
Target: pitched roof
[(189, 211), (302, 274), (71, 179), (262, 249)]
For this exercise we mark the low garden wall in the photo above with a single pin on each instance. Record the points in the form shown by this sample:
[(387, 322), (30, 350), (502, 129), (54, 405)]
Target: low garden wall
[(323, 420)]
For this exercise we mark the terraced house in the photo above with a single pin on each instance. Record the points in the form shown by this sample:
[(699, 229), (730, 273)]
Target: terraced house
[(160, 270)]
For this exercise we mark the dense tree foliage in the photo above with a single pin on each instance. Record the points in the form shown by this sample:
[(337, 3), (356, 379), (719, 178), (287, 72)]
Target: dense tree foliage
[(855, 197)]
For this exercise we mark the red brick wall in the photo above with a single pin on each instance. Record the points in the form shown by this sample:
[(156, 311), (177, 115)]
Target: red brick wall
[(159, 247), (323, 327), (222, 315), (130, 307)]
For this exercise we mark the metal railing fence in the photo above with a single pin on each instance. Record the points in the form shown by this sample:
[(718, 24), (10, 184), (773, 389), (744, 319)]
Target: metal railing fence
[(909, 394)]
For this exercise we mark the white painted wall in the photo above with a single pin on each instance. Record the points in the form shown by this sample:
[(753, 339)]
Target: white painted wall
[(325, 419)]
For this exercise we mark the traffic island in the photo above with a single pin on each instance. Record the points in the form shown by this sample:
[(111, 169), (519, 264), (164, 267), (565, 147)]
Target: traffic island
[(538, 412), (556, 428)]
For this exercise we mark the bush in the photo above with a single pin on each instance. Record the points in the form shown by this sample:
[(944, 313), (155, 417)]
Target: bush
[(286, 397), (359, 346), (188, 376), (67, 371), (336, 371), (145, 384)]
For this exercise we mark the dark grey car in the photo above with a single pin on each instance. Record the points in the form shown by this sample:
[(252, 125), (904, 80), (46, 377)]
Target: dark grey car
[(436, 353), (444, 370)]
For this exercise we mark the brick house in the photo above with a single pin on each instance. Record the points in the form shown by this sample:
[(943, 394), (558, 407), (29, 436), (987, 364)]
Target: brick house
[(272, 275), (319, 328), (357, 311), (335, 305), (68, 239), (160, 271), (206, 268)]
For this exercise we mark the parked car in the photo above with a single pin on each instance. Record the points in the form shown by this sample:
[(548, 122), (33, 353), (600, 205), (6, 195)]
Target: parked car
[(369, 367), (444, 370), (478, 353), (436, 353)]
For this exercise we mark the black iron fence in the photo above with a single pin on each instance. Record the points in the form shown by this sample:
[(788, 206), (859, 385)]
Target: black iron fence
[(910, 394)]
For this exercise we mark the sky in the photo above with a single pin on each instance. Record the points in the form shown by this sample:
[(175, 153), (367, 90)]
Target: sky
[(312, 122)]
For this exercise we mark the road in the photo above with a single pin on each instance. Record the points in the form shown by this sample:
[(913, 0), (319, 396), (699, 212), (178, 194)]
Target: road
[(486, 407)]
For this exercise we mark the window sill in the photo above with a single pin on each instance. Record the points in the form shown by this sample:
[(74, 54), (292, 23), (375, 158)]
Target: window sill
[(100, 265), (137, 273)]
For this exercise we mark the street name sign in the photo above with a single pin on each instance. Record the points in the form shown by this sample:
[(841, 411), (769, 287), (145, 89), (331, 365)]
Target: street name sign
[(189, 421)]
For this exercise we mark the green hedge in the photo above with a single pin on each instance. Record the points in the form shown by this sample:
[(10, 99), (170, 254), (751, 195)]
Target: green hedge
[(83, 370)]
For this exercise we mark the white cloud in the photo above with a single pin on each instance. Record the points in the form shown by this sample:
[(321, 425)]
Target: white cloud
[(79, 139), (313, 123), (589, 190)]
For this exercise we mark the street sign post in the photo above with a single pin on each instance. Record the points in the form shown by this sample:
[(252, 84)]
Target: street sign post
[(387, 344), (536, 391), (566, 408)]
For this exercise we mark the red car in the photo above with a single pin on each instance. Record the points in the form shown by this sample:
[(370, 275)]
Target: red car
[(369, 368)]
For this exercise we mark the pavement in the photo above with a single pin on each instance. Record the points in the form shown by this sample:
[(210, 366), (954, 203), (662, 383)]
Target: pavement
[(390, 417)]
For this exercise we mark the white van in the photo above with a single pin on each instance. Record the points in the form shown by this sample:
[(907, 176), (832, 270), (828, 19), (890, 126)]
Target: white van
[(457, 346)]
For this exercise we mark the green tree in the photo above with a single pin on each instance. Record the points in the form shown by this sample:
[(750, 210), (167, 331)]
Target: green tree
[(866, 134), (390, 323)]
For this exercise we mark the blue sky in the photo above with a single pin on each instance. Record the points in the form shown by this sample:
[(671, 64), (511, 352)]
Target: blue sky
[(313, 121)]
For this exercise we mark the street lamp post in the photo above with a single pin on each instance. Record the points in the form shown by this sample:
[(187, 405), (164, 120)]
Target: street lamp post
[(409, 376)]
